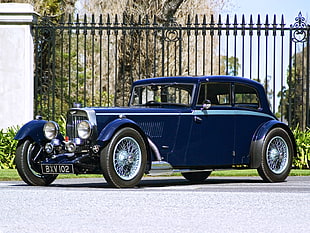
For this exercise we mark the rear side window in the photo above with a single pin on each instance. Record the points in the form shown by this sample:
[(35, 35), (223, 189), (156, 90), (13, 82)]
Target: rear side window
[(217, 93), (246, 97)]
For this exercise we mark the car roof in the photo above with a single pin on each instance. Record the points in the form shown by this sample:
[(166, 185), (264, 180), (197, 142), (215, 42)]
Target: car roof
[(213, 78), (197, 79)]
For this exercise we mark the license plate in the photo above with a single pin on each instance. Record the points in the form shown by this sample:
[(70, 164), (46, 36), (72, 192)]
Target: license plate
[(57, 168)]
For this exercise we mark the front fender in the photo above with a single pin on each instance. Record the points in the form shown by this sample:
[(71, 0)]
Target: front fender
[(109, 130), (32, 129), (256, 151)]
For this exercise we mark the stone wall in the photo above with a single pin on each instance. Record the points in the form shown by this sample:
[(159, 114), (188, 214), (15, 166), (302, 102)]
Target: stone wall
[(16, 64)]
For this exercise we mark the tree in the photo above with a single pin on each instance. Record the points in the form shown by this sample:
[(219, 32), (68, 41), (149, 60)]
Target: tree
[(229, 66), (293, 101), (143, 47)]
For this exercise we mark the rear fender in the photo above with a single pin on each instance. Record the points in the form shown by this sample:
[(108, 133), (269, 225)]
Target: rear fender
[(256, 150)]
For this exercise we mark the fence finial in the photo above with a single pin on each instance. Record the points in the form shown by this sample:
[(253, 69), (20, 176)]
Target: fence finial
[(299, 34), (300, 21)]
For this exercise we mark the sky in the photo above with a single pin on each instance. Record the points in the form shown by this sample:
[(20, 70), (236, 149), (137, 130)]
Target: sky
[(289, 8)]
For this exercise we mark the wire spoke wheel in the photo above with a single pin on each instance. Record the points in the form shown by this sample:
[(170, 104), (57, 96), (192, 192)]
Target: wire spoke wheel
[(123, 160), (277, 155), (278, 151), (127, 158)]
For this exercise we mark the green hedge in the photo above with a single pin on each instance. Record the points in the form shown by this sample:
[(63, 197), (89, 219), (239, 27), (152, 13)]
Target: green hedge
[(303, 148), (8, 147)]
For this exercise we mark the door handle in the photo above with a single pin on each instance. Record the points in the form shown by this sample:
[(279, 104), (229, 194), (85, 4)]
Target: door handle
[(197, 119)]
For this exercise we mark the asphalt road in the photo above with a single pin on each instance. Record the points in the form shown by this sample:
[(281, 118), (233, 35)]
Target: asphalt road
[(160, 204)]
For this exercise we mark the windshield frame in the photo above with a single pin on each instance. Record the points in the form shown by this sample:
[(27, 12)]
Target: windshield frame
[(163, 103)]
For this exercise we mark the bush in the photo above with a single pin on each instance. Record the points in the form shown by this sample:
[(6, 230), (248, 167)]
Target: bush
[(8, 144), (303, 148), (8, 147)]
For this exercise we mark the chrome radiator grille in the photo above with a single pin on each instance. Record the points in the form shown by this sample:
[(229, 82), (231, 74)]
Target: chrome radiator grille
[(72, 122)]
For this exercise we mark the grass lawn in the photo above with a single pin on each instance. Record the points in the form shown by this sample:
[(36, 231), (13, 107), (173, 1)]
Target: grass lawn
[(11, 174)]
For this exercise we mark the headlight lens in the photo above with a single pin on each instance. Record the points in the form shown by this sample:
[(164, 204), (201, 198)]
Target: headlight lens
[(84, 129), (51, 130)]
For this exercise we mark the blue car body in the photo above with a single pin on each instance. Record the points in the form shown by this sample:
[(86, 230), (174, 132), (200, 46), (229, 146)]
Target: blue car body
[(187, 134)]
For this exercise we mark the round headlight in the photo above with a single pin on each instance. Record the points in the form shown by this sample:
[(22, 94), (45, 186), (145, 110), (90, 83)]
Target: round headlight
[(84, 129), (51, 130)]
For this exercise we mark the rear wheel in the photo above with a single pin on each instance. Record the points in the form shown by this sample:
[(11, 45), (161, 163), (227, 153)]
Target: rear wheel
[(124, 159), (196, 176), (277, 156), (28, 163)]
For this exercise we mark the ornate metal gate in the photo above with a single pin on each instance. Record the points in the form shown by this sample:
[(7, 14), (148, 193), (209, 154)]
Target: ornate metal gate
[(94, 61)]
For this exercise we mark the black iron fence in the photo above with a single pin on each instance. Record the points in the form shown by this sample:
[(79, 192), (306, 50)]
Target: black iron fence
[(93, 61)]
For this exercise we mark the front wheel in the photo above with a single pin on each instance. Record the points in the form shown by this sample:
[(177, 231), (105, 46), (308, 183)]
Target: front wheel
[(124, 159), (277, 156), (28, 163)]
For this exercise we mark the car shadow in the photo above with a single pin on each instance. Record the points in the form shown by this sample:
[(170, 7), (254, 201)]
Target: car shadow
[(155, 182)]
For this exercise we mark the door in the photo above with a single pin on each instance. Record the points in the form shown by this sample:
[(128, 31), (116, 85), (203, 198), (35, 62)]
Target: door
[(211, 141), (248, 117)]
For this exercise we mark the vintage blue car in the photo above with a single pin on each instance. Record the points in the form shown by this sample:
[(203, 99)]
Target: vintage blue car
[(191, 125)]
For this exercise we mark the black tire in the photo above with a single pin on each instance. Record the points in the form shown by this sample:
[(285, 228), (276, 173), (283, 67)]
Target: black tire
[(28, 168), (123, 160), (196, 176), (278, 151)]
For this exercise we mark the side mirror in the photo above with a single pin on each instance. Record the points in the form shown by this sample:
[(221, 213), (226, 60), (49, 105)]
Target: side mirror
[(206, 105)]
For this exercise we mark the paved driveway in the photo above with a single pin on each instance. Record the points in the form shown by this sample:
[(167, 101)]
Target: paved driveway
[(165, 204)]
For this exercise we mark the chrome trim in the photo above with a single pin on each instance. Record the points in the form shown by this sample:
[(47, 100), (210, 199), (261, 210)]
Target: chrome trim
[(75, 116), (90, 113), (160, 168), (38, 117), (194, 113), (54, 130), (70, 146), (90, 127), (91, 116), (49, 148)]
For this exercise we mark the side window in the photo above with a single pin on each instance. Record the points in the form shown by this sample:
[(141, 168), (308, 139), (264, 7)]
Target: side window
[(217, 93), (246, 97)]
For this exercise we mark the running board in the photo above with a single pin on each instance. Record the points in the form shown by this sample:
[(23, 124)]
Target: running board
[(160, 168), (164, 168)]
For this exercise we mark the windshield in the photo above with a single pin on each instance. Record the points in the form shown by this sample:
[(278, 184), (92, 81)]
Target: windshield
[(162, 94)]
